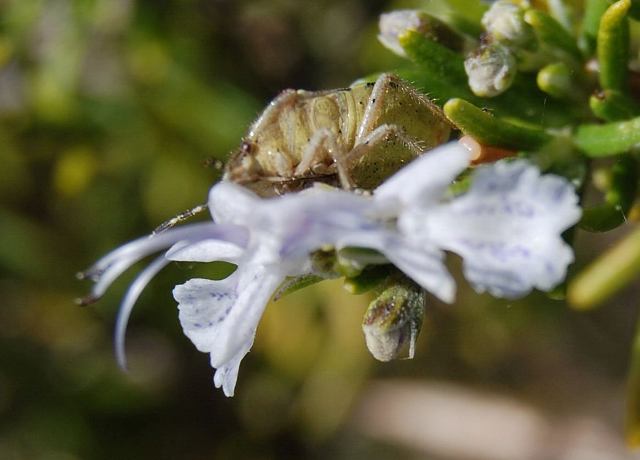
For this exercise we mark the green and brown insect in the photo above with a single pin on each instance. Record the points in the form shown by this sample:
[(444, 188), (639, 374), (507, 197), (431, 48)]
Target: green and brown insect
[(354, 137)]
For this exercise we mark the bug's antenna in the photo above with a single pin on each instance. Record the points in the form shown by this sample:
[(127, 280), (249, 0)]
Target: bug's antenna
[(213, 163), (179, 218)]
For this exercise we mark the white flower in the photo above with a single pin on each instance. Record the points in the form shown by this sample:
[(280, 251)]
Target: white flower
[(490, 69), (392, 25), (504, 20), (506, 228)]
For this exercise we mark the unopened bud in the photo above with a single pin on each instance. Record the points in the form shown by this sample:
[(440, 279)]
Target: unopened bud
[(504, 21), (371, 278), (396, 23), (557, 80), (393, 320), (323, 263), (491, 70)]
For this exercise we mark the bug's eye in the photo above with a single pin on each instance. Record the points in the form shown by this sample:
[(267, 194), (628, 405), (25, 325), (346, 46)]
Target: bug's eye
[(247, 147)]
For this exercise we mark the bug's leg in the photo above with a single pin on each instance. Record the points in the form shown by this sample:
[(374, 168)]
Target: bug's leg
[(316, 158), (179, 218), (322, 156), (346, 182), (380, 154), (395, 102), (340, 160)]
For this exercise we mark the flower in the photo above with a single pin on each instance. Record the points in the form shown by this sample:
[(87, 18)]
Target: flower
[(507, 229), (397, 23), (504, 20), (490, 69)]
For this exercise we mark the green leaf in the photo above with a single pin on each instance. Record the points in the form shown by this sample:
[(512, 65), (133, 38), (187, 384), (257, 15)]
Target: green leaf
[(437, 63), (472, 10), (369, 279), (619, 198), (440, 73), (607, 274), (563, 11), (551, 33), (295, 283), (593, 11), (559, 81), (612, 105), (608, 139), (613, 47), (491, 130)]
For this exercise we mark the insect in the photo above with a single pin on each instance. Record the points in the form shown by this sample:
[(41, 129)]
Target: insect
[(353, 137)]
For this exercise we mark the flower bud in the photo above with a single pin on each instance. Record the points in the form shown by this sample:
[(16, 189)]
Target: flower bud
[(491, 70), (323, 263), (504, 21), (394, 24), (557, 80), (393, 320)]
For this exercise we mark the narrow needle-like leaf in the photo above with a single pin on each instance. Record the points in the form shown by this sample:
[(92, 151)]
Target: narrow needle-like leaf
[(552, 33), (609, 139), (607, 274), (491, 130), (613, 46)]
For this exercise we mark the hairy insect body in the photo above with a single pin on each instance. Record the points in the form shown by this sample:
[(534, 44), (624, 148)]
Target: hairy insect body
[(355, 137), (285, 132)]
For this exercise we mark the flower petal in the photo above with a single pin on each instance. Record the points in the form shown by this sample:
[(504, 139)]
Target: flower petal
[(424, 266), (421, 262), (203, 306), (226, 375), (232, 203), (255, 286), (508, 227), (128, 302), (395, 23), (424, 180), (299, 224), (221, 316), (205, 251), (106, 270)]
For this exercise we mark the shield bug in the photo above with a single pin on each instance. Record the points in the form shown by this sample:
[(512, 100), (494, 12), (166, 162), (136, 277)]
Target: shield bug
[(354, 137), (351, 137)]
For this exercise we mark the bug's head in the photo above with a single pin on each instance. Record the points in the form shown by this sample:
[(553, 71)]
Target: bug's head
[(242, 166)]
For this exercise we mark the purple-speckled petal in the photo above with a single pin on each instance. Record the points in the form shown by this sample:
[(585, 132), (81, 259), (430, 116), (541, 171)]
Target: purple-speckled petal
[(220, 317), (507, 228), (204, 310), (203, 306)]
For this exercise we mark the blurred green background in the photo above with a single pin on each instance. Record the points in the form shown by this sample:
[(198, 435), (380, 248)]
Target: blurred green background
[(110, 112)]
